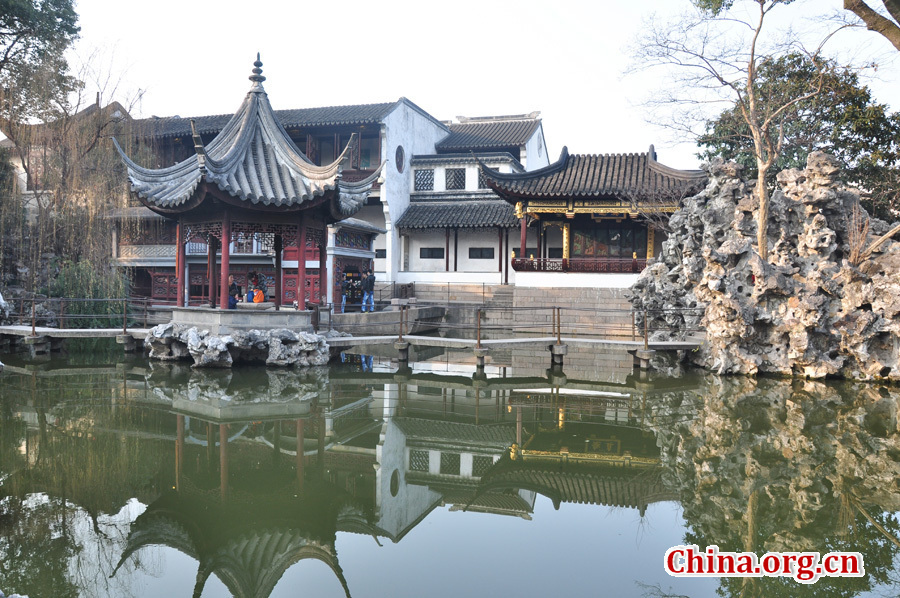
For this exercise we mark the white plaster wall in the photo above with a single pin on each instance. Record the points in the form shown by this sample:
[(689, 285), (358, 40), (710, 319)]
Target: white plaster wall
[(575, 279), (536, 150), (429, 239), (395, 513), (375, 215), (417, 134), (453, 277)]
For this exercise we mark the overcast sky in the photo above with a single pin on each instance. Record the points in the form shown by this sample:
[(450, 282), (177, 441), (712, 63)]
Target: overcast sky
[(563, 58)]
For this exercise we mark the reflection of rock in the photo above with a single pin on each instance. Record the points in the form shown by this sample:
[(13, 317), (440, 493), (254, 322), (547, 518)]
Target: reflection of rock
[(807, 310), (278, 347), (780, 465)]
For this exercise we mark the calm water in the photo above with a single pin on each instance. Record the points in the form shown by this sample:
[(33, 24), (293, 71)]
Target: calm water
[(122, 478)]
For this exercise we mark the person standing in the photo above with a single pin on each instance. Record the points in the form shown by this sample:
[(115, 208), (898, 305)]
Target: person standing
[(369, 291), (234, 292)]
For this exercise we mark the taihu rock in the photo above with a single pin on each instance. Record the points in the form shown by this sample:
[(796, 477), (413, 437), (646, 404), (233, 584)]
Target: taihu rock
[(806, 310)]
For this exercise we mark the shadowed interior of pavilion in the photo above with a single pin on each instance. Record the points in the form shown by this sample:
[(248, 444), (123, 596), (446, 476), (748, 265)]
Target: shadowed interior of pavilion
[(251, 180)]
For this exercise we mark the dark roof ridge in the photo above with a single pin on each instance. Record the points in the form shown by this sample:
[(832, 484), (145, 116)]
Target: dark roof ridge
[(499, 118), (555, 167)]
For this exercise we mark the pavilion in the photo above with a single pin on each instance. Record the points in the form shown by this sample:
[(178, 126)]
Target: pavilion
[(251, 180), (603, 205)]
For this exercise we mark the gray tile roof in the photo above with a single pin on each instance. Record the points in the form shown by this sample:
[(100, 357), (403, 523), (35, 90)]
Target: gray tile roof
[(252, 159), (489, 134), (359, 114), (458, 433), (585, 484), (579, 175), (458, 214)]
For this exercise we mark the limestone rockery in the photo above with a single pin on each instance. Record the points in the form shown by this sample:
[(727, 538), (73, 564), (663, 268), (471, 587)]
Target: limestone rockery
[(280, 347), (824, 303)]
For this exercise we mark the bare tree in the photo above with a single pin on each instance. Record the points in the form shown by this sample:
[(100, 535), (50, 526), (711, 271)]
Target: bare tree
[(74, 177), (887, 25), (713, 54)]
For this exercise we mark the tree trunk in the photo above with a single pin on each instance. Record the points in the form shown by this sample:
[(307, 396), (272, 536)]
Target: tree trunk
[(762, 215), (874, 21)]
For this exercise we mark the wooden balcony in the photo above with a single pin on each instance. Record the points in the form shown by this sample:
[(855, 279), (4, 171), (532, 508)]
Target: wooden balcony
[(605, 265)]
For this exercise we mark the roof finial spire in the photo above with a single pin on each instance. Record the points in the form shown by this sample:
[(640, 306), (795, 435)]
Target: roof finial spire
[(257, 76)]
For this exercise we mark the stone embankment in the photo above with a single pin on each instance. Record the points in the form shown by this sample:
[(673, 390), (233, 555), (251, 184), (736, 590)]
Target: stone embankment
[(278, 347), (826, 302)]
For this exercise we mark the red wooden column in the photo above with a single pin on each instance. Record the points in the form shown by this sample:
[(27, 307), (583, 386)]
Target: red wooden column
[(226, 260), (179, 450), (300, 454), (324, 280), (301, 263), (500, 248), (223, 459), (211, 269), (180, 267), (540, 233), (278, 248), (455, 249), (446, 250), (522, 238)]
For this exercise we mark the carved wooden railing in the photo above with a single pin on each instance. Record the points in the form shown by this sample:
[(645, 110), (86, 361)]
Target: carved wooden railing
[(618, 265)]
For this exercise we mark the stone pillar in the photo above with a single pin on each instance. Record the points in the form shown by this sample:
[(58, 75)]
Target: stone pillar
[(180, 267), (226, 260), (278, 248), (301, 263), (331, 233)]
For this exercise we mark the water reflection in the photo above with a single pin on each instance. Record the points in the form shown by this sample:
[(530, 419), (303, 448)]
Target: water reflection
[(247, 472)]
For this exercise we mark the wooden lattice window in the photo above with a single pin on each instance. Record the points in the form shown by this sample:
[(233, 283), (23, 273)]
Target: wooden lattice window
[(456, 178), (450, 463), (424, 180), (418, 460), (480, 465), (482, 180)]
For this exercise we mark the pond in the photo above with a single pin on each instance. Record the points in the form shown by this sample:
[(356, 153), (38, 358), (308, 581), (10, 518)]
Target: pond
[(123, 478)]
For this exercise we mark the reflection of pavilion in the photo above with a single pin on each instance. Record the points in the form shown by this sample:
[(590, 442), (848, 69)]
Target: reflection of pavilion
[(248, 541)]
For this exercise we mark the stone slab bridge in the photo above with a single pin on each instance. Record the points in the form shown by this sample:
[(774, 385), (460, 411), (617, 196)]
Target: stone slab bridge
[(42, 339), (556, 345)]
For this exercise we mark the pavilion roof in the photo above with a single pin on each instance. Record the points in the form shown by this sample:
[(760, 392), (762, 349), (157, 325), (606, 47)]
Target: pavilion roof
[(590, 176), (585, 483), (252, 160)]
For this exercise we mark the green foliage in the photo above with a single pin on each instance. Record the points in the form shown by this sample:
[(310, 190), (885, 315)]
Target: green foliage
[(716, 7), (844, 120), (77, 281)]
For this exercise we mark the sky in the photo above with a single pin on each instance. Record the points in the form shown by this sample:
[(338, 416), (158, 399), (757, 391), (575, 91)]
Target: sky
[(564, 58)]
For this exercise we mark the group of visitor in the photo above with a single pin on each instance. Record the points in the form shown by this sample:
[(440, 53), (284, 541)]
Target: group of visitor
[(257, 292), (366, 285)]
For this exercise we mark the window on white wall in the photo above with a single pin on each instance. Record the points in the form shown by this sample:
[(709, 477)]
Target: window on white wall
[(456, 178), (482, 180), (431, 253), (424, 180), (481, 253)]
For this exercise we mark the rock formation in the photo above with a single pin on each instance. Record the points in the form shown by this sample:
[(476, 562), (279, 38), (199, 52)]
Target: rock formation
[(279, 347), (819, 306)]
